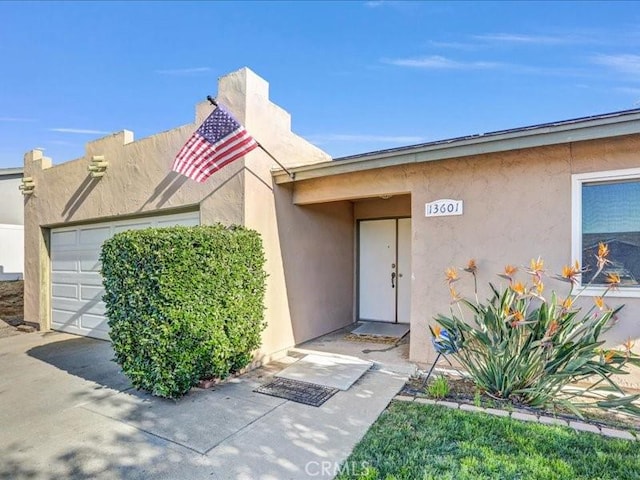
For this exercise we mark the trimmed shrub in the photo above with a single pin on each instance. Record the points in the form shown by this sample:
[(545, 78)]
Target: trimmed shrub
[(183, 303)]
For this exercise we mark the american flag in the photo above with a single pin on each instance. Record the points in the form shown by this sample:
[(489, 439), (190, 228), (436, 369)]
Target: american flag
[(217, 142)]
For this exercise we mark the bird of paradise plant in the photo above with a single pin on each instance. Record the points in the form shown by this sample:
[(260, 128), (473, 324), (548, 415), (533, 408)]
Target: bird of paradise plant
[(529, 348)]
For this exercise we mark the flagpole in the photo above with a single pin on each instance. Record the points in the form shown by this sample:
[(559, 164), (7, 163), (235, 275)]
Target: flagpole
[(291, 174)]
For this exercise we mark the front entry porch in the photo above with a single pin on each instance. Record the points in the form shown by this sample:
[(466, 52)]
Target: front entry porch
[(391, 355)]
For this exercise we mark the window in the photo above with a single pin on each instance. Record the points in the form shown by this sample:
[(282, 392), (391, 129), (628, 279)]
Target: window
[(606, 208)]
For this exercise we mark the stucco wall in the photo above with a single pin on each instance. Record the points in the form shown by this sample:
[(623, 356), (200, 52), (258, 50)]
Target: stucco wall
[(138, 181), (12, 211), (317, 244), (517, 205), (304, 249), (396, 206)]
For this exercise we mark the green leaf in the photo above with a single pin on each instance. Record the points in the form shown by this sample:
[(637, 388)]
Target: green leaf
[(183, 303)]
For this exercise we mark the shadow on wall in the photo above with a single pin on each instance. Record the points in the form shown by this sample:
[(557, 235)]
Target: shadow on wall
[(169, 185), (79, 196)]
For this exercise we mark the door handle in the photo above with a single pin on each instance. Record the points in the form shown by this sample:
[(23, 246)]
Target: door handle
[(393, 277)]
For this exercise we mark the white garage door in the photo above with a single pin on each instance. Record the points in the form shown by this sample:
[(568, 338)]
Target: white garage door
[(76, 283)]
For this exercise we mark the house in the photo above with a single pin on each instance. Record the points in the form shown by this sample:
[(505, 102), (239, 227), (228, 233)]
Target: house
[(11, 224), (366, 237)]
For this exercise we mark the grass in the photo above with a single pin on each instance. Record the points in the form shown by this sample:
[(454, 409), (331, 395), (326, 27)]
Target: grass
[(420, 442)]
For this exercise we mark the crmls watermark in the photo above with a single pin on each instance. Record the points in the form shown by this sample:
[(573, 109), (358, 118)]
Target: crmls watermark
[(332, 469)]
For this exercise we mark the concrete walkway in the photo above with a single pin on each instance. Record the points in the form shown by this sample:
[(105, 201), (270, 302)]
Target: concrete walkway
[(67, 412)]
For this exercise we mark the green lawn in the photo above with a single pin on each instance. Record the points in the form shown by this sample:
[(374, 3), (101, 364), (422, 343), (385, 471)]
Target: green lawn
[(418, 442)]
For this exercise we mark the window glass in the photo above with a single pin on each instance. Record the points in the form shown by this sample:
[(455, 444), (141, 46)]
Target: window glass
[(611, 214)]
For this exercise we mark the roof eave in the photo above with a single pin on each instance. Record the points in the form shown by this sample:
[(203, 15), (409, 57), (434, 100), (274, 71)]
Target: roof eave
[(11, 171), (592, 129)]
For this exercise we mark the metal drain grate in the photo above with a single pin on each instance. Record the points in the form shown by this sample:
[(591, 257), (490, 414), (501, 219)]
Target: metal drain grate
[(296, 391)]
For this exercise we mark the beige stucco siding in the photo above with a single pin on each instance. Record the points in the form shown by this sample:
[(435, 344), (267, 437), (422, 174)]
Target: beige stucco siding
[(317, 247), (517, 205), (138, 181), (309, 251), (395, 206)]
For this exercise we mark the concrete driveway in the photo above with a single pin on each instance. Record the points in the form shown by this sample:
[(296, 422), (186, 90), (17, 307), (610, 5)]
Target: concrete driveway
[(66, 411)]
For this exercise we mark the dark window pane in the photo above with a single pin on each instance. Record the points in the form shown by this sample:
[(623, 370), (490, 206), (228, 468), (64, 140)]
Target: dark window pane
[(611, 214)]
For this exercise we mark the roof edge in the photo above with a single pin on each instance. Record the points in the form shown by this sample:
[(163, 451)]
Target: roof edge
[(594, 127), (11, 171)]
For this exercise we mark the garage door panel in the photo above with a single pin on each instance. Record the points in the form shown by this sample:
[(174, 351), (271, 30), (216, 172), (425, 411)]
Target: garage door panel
[(64, 278), (76, 283), (132, 226), (59, 265), (91, 292), (92, 299), (90, 264), (187, 223), (76, 278), (92, 322), (94, 236), (93, 304), (73, 305), (60, 239), (63, 290), (89, 278), (60, 318)]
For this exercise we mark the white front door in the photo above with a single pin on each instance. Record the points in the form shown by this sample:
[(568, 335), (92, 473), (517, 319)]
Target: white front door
[(384, 270), (403, 290)]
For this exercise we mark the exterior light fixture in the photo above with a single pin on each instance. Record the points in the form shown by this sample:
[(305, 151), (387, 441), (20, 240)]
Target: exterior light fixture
[(98, 166), (27, 186)]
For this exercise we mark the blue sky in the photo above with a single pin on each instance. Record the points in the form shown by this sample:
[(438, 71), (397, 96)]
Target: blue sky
[(355, 76), (611, 207)]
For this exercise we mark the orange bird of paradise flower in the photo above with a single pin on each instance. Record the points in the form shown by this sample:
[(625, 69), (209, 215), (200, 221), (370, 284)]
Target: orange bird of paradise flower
[(609, 356), (451, 275), (519, 288), (509, 272), (571, 272), (471, 266), (603, 253), (628, 345), (536, 266), (599, 301), (553, 328), (613, 279), (436, 330)]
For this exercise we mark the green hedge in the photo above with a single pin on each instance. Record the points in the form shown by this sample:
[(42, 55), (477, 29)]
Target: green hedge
[(183, 303)]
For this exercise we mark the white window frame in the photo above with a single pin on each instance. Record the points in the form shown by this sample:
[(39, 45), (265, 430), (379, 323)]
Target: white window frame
[(577, 180)]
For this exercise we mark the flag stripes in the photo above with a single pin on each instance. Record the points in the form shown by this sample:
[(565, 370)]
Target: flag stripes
[(218, 141)]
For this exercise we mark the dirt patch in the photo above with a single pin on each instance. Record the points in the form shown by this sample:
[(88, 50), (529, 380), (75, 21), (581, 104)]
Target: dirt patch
[(11, 307), (463, 390), (11, 299)]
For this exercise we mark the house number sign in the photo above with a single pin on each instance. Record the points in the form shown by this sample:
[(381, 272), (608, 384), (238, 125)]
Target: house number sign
[(443, 207)]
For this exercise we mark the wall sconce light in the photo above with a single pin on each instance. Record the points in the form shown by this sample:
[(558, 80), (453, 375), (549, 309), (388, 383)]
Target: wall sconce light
[(98, 166), (27, 186)]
